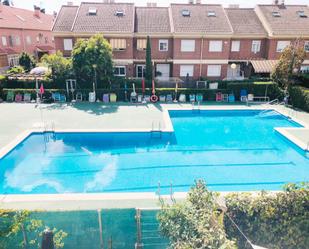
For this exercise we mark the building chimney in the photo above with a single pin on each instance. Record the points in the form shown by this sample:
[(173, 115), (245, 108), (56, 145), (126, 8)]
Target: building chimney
[(275, 2), (198, 1), (37, 11), (282, 5), (69, 3), (191, 2), (54, 14)]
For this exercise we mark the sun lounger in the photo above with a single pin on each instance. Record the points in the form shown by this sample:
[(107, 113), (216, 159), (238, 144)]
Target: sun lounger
[(56, 97), (169, 98), (162, 98), (92, 97), (10, 96), (199, 97), (231, 97), (79, 96), (18, 98), (252, 98), (218, 96), (105, 98), (113, 97), (192, 97), (27, 97), (243, 95), (182, 98)]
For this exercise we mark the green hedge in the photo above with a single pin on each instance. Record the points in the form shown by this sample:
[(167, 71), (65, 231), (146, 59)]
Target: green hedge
[(258, 89), (299, 97), (271, 220)]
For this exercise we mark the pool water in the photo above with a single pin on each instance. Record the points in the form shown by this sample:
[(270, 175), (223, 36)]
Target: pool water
[(230, 150)]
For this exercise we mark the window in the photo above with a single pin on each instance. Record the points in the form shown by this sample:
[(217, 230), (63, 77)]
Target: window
[(4, 41), (211, 13), (304, 69), (140, 71), (256, 46), (92, 11), (11, 41), (214, 70), (276, 14), (306, 46), (120, 71), (68, 44), (17, 40), (141, 44), (186, 70), (118, 44), (235, 46), (185, 13), (301, 13), (281, 45), (215, 46), (163, 45), (13, 60), (187, 45), (28, 40), (46, 39)]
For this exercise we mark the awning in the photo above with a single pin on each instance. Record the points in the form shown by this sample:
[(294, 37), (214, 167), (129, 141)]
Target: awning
[(45, 48), (263, 66)]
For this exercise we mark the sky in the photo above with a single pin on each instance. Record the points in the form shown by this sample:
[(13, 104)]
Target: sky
[(54, 5)]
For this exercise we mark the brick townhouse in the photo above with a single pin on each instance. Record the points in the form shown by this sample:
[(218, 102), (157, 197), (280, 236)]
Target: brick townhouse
[(195, 40), (23, 30)]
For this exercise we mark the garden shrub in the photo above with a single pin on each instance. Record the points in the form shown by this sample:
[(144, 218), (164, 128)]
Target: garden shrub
[(273, 220), (299, 97)]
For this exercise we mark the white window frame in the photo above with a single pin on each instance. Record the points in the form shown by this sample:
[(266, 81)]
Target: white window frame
[(215, 46), (28, 40), (4, 41), (214, 70), (304, 68), (165, 47), (187, 45), (68, 44), (256, 46), (306, 46), (120, 75), (281, 45), (143, 66), (186, 69), (13, 60), (235, 46)]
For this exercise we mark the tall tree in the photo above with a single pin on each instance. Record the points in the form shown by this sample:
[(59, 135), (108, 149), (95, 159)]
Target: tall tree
[(149, 70), (93, 56), (289, 63), (26, 61), (196, 222)]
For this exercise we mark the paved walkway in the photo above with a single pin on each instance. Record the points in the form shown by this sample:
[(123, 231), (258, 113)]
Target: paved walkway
[(16, 118)]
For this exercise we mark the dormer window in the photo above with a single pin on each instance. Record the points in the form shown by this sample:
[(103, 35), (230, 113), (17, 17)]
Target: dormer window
[(301, 13), (119, 13), (276, 14), (185, 13), (211, 13), (92, 11)]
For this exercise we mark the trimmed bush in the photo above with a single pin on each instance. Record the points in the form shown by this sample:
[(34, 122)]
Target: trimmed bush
[(273, 220), (299, 97)]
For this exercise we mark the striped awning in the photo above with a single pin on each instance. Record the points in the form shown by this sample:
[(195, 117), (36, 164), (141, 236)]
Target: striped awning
[(263, 66)]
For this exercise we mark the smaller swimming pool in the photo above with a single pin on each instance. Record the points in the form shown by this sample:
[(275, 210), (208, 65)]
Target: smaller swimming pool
[(231, 150)]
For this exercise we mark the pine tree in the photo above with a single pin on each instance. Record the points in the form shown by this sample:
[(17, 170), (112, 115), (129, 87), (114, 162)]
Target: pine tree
[(149, 69)]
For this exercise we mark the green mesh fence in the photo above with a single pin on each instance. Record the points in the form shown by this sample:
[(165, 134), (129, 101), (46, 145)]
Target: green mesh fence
[(119, 229)]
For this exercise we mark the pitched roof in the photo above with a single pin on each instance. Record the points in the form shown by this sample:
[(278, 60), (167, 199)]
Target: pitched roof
[(105, 19), (152, 20), (245, 21), (65, 18), (199, 21), (289, 22), (11, 17)]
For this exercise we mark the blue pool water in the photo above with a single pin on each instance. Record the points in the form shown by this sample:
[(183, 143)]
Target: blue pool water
[(230, 150)]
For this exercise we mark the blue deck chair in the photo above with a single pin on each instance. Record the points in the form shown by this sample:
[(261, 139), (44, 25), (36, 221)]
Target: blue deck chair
[(243, 95)]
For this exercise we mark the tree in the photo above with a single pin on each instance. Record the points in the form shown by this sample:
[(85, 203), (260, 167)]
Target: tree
[(149, 70), (196, 222), (19, 225), (289, 63), (93, 56), (26, 61), (61, 68)]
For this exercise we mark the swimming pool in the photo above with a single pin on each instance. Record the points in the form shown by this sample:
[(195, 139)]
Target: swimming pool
[(231, 150)]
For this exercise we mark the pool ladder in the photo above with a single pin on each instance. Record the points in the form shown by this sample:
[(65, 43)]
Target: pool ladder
[(156, 132), (49, 128)]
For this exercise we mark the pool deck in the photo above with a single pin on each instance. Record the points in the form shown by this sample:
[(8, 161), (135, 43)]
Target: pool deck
[(17, 120)]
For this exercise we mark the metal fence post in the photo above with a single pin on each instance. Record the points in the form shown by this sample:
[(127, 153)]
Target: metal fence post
[(138, 244), (101, 229)]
